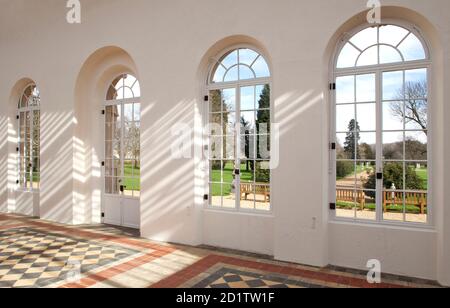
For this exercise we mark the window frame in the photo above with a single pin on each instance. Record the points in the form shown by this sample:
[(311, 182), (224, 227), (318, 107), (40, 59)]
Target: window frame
[(31, 110), (378, 71), (120, 103), (236, 85)]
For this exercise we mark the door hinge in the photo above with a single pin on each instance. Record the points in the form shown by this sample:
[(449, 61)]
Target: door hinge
[(333, 146), (379, 176), (17, 182), (18, 117), (103, 112), (103, 164), (103, 215), (332, 86), (17, 149), (206, 197), (333, 206), (206, 98)]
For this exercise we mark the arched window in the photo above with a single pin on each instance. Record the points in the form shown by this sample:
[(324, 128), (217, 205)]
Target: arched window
[(381, 126), (29, 139), (122, 137), (239, 109)]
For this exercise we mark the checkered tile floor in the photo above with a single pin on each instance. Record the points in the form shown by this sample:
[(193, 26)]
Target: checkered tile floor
[(230, 279), (31, 258), (35, 253)]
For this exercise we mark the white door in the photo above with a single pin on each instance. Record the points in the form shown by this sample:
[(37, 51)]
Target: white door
[(122, 162)]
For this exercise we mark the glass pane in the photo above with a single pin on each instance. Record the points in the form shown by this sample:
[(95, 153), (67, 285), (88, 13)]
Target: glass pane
[(215, 98), (216, 195), (263, 121), (416, 146), (246, 73), (247, 195), (365, 88), (412, 48), (131, 184), (216, 147), (393, 146), (228, 196), (215, 123), (216, 171), (366, 175), (247, 171), (368, 57), (137, 112), (229, 147), (230, 59), (416, 85), (248, 122), (417, 176), (344, 146), (367, 117), (128, 113), (345, 89), (367, 146), (345, 115), (263, 146), (262, 197), (389, 55), (348, 56), (263, 97), (248, 98), (365, 38), (416, 207), (392, 35), (232, 74), (229, 99), (345, 175), (228, 172), (262, 172), (393, 176), (366, 205), (416, 114), (393, 205), (219, 74), (393, 115), (248, 146), (261, 68), (346, 202), (229, 120), (393, 86), (247, 56)]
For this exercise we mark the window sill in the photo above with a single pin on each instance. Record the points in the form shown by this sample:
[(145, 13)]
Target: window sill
[(383, 224), (268, 214)]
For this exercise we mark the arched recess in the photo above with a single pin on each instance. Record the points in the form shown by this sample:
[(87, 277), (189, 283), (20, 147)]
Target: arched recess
[(422, 28), (95, 77), (436, 105), (20, 199)]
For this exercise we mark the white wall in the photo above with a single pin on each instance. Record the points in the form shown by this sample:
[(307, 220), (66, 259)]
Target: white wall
[(168, 44)]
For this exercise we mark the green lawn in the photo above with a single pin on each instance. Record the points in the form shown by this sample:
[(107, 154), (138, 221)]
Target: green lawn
[(131, 181), (422, 173)]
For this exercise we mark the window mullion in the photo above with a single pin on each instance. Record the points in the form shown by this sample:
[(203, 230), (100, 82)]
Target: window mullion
[(379, 146)]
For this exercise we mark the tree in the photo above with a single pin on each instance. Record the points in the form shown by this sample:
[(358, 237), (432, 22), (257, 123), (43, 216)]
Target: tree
[(352, 140), (415, 109), (366, 151), (245, 126), (263, 119)]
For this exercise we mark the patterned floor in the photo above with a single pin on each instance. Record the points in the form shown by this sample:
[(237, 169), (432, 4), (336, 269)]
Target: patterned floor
[(39, 254)]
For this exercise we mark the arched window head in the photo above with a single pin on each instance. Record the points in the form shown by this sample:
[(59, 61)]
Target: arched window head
[(125, 86), (240, 64), (383, 44), (30, 97)]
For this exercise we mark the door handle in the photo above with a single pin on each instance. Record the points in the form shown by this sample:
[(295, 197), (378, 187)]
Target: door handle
[(122, 188)]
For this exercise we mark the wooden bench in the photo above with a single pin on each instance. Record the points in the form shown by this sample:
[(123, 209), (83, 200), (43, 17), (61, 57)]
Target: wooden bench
[(349, 195), (396, 198), (255, 189)]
